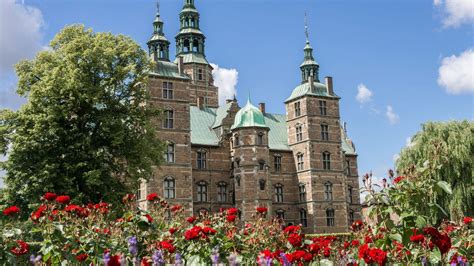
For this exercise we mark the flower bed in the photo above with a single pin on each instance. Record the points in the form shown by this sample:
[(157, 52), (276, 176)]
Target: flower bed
[(100, 234)]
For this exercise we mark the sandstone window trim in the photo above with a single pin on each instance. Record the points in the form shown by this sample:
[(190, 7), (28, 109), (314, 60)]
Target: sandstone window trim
[(302, 192), (326, 160), (297, 106), (300, 161), (222, 191), (328, 191), (323, 108), (324, 131), (278, 193), (201, 159), (169, 187), (202, 191), (299, 132), (168, 120), (167, 89), (303, 217), (330, 217), (277, 162), (170, 152)]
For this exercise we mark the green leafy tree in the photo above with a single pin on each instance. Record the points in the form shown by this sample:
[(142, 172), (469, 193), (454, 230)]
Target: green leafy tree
[(446, 150), (85, 130)]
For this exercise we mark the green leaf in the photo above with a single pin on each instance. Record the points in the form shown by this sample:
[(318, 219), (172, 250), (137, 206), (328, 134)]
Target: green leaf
[(445, 186), (435, 255), (396, 237), (326, 262), (420, 222)]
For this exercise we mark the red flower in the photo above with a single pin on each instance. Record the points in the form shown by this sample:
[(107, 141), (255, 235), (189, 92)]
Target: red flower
[(398, 179), (417, 238), (467, 220), (364, 253), (145, 262), (292, 229), (327, 252), (176, 208), (379, 256), (295, 240), (192, 233), (346, 244), (149, 218), (114, 261), (172, 230), (12, 210), (308, 257), (298, 255), (82, 257), (63, 199), (38, 213), (50, 196), (368, 239), (262, 210), (231, 218), (21, 249), (355, 243), (152, 197), (357, 225), (168, 246), (191, 219), (73, 208), (232, 211), (207, 230)]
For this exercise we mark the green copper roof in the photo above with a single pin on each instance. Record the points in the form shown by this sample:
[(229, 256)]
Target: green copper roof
[(308, 62), (347, 145), (189, 9), (193, 58), (204, 120), (305, 89), (190, 30), (249, 116), (157, 37), (167, 69)]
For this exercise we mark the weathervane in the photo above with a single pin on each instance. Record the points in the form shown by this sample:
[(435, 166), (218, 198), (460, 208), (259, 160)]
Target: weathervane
[(306, 26), (157, 6)]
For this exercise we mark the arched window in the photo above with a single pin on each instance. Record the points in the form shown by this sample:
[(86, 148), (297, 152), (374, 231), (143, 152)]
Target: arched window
[(195, 46), (299, 132), (280, 214), (277, 162), (222, 191), (168, 121), (261, 165), (303, 218), (300, 161), (169, 155), (201, 159), (202, 191), (186, 46), (278, 193), (302, 192), (326, 160), (169, 188), (330, 217), (324, 132), (260, 138), (328, 191)]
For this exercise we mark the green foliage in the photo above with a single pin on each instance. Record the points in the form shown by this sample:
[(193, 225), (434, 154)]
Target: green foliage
[(446, 150), (85, 130)]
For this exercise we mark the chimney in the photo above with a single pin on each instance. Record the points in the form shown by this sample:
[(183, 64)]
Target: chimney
[(329, 85), (200, 102), (261, 106), (180, 65), (311, 83)]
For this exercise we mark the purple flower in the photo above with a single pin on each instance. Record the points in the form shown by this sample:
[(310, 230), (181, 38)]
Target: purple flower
[(284, 259), (132, 245), (232, 259), (34, 259), (158, 258), (215, 256), (106, 258), (178, 261), (423, 261)]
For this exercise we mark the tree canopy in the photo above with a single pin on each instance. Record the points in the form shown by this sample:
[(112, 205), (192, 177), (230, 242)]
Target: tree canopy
[(446, 149), (86, 129)]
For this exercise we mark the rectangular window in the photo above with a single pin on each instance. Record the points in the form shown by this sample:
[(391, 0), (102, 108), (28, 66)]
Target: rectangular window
[(330, 217), (300, 160), (324, 132), (200, 74), (260, 139), (201, 160), (322, 108), (167, 90), (328, 191), (299, 133), (169, 155), (169, 188), (348, 167), (302, 192), (277, 163), (202, 192), (303, 218), (297, 109), (168, 121), (279, 193), (326, 161), (222, 192)]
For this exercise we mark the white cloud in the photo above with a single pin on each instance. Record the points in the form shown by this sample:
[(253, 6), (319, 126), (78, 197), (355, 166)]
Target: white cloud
[(226, 80), (456, 12), (364, 95), (391, 115), (456, 73), (20, 33)]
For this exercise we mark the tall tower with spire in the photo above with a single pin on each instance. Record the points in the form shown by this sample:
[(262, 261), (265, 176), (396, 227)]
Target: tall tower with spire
[(158, 45)]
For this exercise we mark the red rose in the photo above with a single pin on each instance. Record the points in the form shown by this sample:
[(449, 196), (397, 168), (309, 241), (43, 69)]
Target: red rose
[(355, 243), (145, 262), (298, 254), (21, 249), (168, 246), (149, 218), (398, 179), (72, 208), (63, 199), (172, 230), (417, 238), (295, 240), (379, 256), (114, 261), (368, 239), (292, 229), (467, 220), (207, 230), (231, 218), (12, 210), (38, 213), (308, 257), (364, 253), (49, 196), (357, 225), (152, 197), (176, 208), (346, 244), (192, 233), (232, 211), (262, 210), (82, 257), (191, 219)]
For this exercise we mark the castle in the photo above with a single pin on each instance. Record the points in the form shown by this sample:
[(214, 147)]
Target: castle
[(300, 165)]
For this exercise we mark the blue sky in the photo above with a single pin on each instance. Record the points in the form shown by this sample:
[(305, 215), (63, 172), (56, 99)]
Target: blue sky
[(410, 61)]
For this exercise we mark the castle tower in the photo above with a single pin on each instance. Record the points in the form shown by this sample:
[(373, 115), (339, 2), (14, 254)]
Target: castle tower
[(314, 136), (158, 45), (190, 51), (250, 153)]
